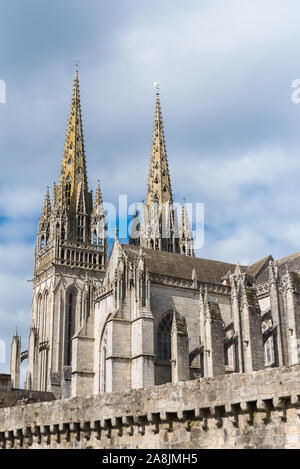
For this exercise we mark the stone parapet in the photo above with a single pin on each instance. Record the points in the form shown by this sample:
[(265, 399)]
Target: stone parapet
[(257, 410)]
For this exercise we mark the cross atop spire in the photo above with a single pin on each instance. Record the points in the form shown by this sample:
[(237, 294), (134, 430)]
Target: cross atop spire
[(77, 64), (159, 186)]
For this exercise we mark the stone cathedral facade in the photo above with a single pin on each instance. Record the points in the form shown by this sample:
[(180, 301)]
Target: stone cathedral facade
[(151, 312)]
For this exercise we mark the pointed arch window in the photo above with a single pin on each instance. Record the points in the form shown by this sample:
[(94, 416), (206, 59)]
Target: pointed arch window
[(39, 309), (270, 351), (95, 238), (68, 192), (63, 232), (47, 235), (70, 324), (103, 355), (80, 228), (164, 338), (42, 241)]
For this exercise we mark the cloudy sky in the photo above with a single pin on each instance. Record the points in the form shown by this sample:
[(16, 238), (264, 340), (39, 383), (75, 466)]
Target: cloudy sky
[(232, 130)]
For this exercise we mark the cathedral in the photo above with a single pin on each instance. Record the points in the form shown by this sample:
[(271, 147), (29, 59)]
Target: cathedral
[(150, 312)]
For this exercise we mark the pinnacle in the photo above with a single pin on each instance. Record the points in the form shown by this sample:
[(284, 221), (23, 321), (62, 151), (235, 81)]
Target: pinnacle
[(98, 196), (47, 205)]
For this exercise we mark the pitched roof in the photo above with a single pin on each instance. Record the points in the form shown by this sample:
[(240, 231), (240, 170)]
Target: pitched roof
[(177, 265), (292, 262), (256, 269)]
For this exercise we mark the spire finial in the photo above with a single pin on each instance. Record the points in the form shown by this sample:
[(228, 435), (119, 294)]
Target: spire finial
[(156, 85), (116, 233), (77, 65)]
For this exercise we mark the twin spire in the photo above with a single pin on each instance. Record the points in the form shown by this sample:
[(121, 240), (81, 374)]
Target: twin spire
[(73, 174), (73, 197), (159, 185), (159, 224)]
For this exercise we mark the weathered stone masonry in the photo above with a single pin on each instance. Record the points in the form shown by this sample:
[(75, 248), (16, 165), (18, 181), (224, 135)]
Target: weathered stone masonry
[(257, 410)]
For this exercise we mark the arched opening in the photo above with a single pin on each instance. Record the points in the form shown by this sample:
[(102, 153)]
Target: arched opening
[(164, 338), (43, 331), (68, 192), (270, 342), (163, 350), (196, 363), (44, 325), (103, 367), (102, 362), (80, 228), (70, 325), (95, 238), (42, 241), (47, 235), (39, 311), (231, 356), (270, 351)]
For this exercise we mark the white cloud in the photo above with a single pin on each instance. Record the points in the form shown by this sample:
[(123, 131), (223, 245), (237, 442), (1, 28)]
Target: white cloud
[(16, 259), (242, 245), (18, 201)]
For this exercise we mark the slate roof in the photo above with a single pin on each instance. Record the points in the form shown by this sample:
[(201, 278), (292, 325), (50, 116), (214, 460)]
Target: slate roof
[(208, 270), (177, 265), (292, 261), (254, 270)]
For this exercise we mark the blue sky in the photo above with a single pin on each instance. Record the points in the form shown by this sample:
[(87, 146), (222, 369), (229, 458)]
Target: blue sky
[(232, 131)]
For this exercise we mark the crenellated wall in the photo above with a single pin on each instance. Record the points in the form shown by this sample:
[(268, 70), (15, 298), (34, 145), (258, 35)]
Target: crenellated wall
[(257, 410)]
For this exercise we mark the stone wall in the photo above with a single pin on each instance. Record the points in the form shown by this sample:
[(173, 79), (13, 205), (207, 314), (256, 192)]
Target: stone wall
[(258, 410)]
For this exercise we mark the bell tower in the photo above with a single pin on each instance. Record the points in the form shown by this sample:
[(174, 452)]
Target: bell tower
[(70, 258)]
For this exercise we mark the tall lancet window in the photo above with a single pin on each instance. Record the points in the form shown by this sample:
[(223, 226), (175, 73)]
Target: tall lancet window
[(70, 325), (164, 338), (80, 228), (270, 351), (68, 193), (95, 238), (39, 311)]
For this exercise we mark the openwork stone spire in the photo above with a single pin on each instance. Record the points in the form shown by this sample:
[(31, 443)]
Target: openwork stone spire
[(159, 228), (73, 177), (73, 218), (159, 185)]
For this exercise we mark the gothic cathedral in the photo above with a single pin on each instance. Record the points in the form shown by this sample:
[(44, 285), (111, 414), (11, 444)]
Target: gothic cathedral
[(150, 312)]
